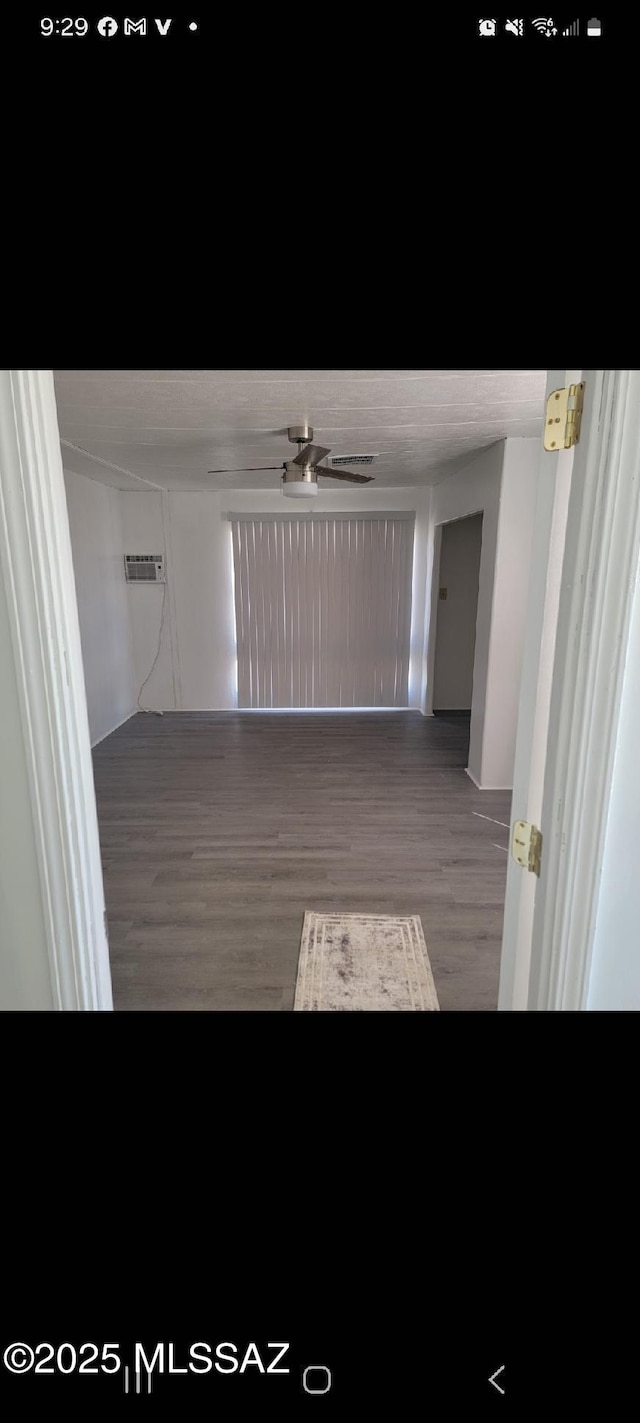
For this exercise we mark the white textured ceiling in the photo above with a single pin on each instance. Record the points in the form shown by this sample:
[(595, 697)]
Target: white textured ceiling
[(167, 428)]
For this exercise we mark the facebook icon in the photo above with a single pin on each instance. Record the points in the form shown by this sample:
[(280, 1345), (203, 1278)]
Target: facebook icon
[(107, 27)]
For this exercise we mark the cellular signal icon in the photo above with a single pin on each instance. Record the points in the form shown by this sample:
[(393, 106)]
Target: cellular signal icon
[(573, 29)]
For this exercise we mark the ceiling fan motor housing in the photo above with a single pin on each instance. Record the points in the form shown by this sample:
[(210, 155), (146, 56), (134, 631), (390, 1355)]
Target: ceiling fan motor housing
[(300, 434)]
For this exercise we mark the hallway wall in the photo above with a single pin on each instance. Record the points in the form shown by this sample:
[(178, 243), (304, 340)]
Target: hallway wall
[(501, 483)]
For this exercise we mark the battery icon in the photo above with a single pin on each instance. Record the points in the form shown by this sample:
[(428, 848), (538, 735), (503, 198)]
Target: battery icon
[(594, 27)]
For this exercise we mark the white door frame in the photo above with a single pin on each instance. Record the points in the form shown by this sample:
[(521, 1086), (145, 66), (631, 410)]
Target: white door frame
[(37, 570), (543, 597), (601, 560), (549, 923)]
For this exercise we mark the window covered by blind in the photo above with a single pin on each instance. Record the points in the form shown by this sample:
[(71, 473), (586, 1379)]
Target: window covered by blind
[(323, 610)]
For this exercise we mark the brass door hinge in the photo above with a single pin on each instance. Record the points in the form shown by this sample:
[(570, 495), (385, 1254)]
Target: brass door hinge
[(562, 417), (526, 846)]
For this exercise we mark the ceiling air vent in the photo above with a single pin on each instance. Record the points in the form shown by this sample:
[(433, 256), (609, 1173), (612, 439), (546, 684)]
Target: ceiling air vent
[(337, 461), (144, 568)]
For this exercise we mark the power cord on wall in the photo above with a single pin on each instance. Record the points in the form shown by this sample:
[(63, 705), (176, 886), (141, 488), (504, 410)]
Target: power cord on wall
[(152, 710)]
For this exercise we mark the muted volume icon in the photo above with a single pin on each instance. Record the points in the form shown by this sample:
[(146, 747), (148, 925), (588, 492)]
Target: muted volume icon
[(594, 27), (573, 29)]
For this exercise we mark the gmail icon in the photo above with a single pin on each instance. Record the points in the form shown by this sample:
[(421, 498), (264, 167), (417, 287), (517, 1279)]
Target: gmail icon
[(135, 27)]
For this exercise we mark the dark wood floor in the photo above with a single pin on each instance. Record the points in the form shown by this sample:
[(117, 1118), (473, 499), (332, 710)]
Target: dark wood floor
[(218, 830)]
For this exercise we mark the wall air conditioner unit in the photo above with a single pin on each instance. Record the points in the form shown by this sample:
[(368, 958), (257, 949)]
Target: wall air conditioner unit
[(144, 568)]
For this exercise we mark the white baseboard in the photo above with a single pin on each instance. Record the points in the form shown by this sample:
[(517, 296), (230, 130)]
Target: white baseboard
[(485, 788), (105, 734)]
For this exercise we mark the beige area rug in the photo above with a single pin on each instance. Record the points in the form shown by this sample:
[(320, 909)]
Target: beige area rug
[(364, 963)]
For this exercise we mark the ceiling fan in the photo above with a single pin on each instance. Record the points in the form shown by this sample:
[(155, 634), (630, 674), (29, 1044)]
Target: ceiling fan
[(300, 477)]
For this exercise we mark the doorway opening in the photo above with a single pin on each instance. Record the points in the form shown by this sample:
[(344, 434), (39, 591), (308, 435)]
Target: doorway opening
[(562, 663), (457, 582)]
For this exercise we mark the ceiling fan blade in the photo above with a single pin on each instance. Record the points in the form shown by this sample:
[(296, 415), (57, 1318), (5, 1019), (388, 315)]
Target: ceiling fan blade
[(311, 454), (248, 469), (344, 474)]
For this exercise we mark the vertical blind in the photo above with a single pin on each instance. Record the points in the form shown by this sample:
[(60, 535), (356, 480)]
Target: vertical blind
[(323, 610)]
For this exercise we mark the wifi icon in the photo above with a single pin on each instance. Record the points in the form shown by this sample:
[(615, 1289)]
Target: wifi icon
[(573, 29), (545, 27)]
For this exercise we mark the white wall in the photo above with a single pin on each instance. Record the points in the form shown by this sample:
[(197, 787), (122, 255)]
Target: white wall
[(501, 483), (516, 517), (105, 630), (460, 551), (196, 670), (25, 977), (143, 531), (614, 980)]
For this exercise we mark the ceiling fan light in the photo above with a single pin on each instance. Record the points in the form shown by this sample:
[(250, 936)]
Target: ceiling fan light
[(299, 488)]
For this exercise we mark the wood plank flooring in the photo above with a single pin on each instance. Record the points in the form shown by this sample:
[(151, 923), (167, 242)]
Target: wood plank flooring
[(218, 830)]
